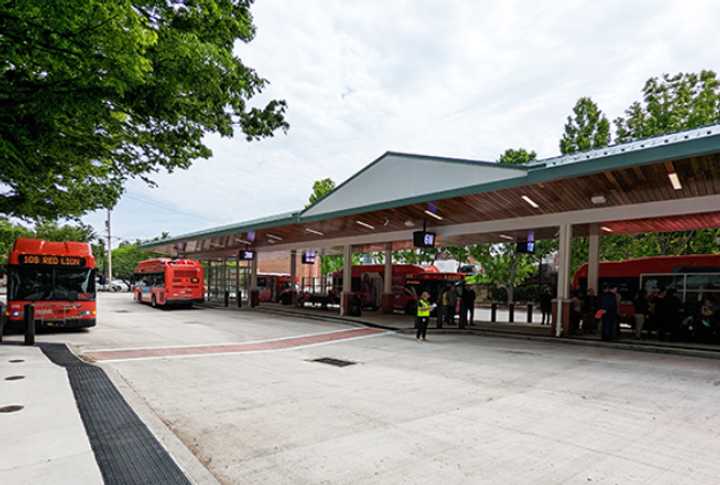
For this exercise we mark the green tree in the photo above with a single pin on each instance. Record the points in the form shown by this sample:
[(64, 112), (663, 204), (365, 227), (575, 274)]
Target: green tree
[(125, 258), (672, 103), (48, 230), (588, 128), (503, 266), (93, 93), (517, 156), (669, 103), (10, 231), (320, 189), (328, 263), (53, 231)]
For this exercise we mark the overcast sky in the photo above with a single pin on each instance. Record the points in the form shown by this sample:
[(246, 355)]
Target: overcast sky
[(455, 78)]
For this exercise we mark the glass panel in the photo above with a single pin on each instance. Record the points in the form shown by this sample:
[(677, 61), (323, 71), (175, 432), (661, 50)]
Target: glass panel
[(74, 284), (52, 284), (30, 283), (708, 281), (654, 283)]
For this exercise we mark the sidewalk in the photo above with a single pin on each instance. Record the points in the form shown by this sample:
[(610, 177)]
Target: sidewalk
[(533, 331), (45, 441)]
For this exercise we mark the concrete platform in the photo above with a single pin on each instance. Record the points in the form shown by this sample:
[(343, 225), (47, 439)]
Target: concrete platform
[(459, 409), (45, 442)]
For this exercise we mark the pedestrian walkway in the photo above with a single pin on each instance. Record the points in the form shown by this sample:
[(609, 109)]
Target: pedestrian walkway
[(43, 437), (405, 324), (224, 349)]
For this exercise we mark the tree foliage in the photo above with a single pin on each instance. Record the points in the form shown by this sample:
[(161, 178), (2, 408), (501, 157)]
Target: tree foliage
[(671, 103), (126, 257), (95, 92), (320, 189), (587, 128), (516, 156), (48, 230)]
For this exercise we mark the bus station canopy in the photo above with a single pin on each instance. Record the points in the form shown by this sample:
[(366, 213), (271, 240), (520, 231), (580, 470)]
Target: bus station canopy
[(659, 184)]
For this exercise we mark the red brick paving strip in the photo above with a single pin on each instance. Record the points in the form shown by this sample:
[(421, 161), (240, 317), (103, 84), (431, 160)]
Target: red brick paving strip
[(278, 344)]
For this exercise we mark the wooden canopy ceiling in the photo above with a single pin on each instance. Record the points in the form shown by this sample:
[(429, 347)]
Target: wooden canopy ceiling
[(699, 176)]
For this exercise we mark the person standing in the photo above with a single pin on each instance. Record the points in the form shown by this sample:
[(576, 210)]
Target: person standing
[(641, 307), (462, 297), (667, 312), (442, 306), (609, 309), (546, 306), (451, 306), (423, 315), (470, 295), (575, 313), (590, 306)]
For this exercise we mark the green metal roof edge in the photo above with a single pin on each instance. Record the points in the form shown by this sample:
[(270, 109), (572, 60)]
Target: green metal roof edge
[(466, 161), (536, 173), (251, 225), (693, 147)]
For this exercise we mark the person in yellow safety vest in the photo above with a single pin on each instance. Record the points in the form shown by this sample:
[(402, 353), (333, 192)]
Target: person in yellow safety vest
[(423, 315)]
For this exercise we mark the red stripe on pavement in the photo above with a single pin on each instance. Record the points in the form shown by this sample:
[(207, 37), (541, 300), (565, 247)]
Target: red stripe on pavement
[(277, 344)]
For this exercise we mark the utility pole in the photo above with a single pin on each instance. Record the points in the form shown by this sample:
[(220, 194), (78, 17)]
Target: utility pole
[(109, 248)]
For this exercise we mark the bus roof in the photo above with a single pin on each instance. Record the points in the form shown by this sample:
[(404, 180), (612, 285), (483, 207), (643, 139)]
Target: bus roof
[(397, 269), (51, 248), (651, 264), (157, 264)]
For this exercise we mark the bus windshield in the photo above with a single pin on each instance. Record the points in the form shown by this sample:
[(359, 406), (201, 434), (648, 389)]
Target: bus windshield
[(38, 283)]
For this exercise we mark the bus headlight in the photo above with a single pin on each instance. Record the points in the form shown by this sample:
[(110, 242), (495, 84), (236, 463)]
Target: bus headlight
[(85, 313)]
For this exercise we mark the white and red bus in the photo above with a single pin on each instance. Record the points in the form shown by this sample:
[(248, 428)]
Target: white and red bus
[(408, 282), (57, 278), (272, 286), (693, 277), (164, 282)]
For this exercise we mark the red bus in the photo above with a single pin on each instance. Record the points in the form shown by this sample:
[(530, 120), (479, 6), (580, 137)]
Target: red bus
[(272, 286), (58, 278), (408, 282), (693, 277), (165, 281)]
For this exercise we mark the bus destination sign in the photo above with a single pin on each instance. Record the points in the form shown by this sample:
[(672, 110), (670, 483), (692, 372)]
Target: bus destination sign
[(50, 260)]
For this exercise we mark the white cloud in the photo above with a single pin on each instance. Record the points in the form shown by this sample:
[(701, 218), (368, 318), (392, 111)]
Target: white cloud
[(454, 78)]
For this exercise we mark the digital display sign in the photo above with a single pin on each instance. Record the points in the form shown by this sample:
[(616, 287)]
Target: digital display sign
[(247, 255), (527, 247), (50, 260), (423, 239), (308, 257)]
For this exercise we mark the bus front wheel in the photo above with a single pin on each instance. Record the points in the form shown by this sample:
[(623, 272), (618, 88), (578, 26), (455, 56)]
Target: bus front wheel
[(153, 302)]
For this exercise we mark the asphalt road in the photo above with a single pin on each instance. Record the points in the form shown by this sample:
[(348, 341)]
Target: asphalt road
[(241, 392)]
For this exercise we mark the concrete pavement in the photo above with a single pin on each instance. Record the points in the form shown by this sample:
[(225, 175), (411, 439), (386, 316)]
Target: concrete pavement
[(44, 442), (458, 409)]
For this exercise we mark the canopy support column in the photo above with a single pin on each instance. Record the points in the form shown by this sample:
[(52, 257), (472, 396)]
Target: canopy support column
[(293, 277), (593, 258), (254, 293), (346, 280), (323, 277), (387, 297), (562, 303), (238, 290)]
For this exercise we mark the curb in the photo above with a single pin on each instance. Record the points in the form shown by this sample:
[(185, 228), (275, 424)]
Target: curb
[(636, 347)]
